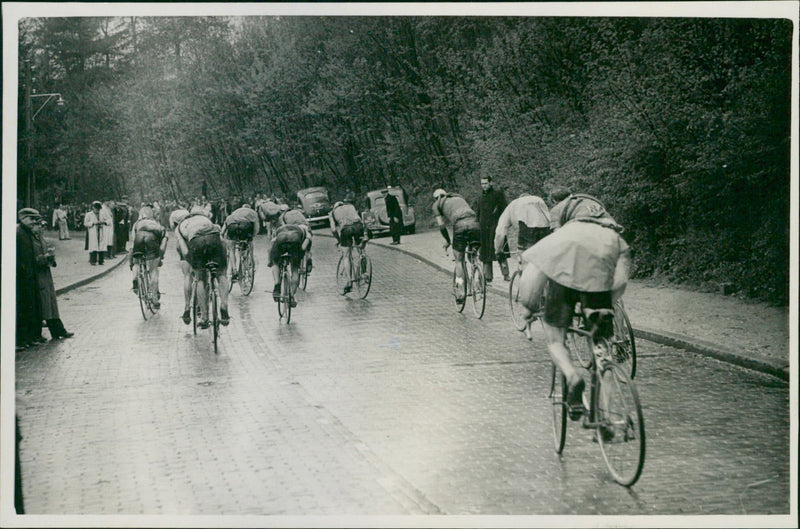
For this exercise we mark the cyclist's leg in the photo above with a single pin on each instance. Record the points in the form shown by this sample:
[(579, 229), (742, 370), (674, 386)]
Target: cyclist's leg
[(202, 296), (272, 262), (531, 286), (135, 274), (152, 267), (186, 269)]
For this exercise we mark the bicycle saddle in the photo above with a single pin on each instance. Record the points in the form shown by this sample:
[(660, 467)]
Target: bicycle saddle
[(600, 322), (212, 265)]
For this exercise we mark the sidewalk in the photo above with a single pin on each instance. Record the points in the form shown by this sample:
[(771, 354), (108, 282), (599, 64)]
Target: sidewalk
[(752, 335)]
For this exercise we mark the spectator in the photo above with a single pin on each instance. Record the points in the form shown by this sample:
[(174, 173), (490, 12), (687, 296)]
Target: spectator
[(122, 225), (394, 213), (107, 216), (490, 206), (95, 238), (60, 220)]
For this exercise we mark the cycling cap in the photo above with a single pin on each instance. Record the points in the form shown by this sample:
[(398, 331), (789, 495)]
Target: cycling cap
[(439, 193)]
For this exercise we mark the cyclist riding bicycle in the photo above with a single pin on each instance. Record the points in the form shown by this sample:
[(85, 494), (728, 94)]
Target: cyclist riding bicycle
[(586, 261), (347, 227), (269, 211), (200, 242), (296, 216), (294, 239), (531, 217), (150, 240), (241, 225), (451, 210)]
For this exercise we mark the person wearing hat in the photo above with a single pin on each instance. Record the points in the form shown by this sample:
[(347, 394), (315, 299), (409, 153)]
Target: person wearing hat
[(451, 210), (95, 231), (395, 214), (36, 294), (60, 221)]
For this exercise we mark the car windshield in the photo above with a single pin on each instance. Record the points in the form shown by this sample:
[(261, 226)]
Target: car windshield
[(316, 197)]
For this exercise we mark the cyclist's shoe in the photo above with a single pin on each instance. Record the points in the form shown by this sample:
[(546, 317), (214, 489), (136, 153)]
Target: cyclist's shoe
[(308, 266), (506, 278), (224, 318), (348, 288), (187, 317), (234, 277), (204, 324), (276, 293), (292, 303), (135, 286), (575, 399), (156, 304), (606, 433)]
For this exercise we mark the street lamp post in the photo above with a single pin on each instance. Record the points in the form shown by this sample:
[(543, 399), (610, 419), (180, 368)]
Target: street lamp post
[(30, 116)]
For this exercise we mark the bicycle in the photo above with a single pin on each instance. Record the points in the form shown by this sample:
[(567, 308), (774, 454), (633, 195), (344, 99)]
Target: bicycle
[(360, 272), (613, 409), (304, 272), (473, 283), (513, 298), (246, 269), (146, 297), (623, 344), (286, 300), (208, 277)]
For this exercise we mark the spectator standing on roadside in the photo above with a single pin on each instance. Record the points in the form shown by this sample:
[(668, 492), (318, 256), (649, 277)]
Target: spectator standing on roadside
[(95, 238), (34, 259), (107, 216), (122, 226), (394, 213), (490, 206), (60, 221)]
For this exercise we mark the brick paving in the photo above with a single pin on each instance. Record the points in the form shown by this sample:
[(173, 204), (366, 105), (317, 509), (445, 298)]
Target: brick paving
[(393, 405)]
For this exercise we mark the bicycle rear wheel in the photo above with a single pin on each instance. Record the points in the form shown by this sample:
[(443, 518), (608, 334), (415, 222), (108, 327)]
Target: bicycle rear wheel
[(459, 291), (142, 291), (620, 430), (342, 277), (214, 298), (363, 275), (247, 272), (230, 270), (558, 400), (285, 305), (624, 352), (514, 303), (195, 307), (478, 291), (303, 272)]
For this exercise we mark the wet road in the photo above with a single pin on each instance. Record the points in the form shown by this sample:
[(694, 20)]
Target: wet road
[(386, 406)]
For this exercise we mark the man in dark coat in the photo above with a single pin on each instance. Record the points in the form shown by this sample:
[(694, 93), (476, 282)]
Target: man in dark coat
[(490, 206), (34, 281), (395, 215), (122, 225)]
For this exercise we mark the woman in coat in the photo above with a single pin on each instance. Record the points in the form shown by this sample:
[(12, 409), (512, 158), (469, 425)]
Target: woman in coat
[(95, 228)]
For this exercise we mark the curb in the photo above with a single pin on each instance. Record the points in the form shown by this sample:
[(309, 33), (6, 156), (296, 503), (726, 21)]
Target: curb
[(679, 341), (89, 279)]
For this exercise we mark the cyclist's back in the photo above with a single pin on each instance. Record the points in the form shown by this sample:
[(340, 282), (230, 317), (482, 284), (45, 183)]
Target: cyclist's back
[(346, 223), (293, 239), (529, 214), (241, 224), (293, 216)]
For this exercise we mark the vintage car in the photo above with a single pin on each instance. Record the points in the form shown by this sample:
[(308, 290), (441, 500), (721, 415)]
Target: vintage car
[(316, 205), (374, 216)]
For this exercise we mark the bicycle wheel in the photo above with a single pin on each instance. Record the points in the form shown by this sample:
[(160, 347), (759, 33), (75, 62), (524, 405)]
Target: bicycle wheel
[(513, 302), (213, 296), (620, 430), (478, 291), (247, 272), (363, 275), (142, 292), (558, 399), (459, 291), (624, 352), (579, 346), (304, 272), (342, 277), (286, 294), (230, 270), (195, 307)]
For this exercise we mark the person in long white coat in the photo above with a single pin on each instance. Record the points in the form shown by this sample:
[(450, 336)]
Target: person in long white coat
[(107, 216), (95, 236)]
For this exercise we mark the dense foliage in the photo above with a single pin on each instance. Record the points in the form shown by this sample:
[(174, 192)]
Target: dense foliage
[(681, 126)]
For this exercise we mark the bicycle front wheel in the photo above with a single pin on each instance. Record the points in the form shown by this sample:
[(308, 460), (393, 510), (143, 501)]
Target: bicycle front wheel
[(558, 400), (478, 291), (620, 430), (247, 272), (459, 291), (514, 303), (342, 277), (624, 344), (364, 275)]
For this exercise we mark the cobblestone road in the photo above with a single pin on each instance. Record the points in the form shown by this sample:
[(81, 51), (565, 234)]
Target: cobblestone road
[(391, 405)]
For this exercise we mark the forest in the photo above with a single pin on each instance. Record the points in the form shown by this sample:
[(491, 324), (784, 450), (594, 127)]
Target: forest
[(681, 126)]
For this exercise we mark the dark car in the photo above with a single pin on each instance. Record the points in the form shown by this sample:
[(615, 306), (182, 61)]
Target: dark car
[(374, 216), (316, 205)]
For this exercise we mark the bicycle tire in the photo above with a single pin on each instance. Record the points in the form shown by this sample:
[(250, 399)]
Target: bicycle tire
[(230, 270), (247, 272), (212, 295), (194, 307), (558, 401), (459, 290), (513, 301), (580, 346), (478, 291), (286, 293), (620, 430), (624, 353), (303, 272), (341, 274), (141, 291), (364, 275)]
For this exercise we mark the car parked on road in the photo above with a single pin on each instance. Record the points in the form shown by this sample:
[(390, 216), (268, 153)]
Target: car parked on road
[(316, 205), (374, 216)]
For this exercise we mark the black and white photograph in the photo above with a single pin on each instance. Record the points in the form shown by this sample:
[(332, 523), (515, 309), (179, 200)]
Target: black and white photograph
[(519, 264)]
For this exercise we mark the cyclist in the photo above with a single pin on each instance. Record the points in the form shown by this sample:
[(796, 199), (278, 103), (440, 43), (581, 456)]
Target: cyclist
[(296, 216), (200, 242), (586, 261), (529, 214), (241, 225), (269, 211), (150, 240), (347, 227), (294, 239), (451, 210), (175, 218)]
